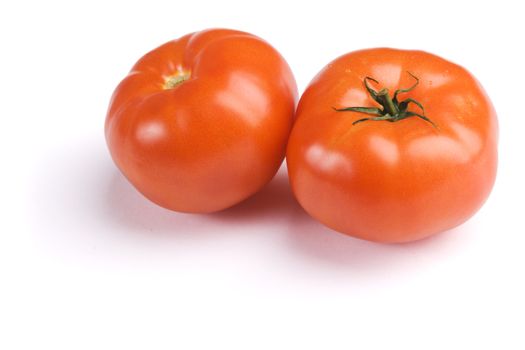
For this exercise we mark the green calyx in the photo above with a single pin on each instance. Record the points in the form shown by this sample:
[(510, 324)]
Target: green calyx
[(392, 109)]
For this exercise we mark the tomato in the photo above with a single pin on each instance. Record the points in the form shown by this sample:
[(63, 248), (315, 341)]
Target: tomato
[(201, 123), (393, 145)]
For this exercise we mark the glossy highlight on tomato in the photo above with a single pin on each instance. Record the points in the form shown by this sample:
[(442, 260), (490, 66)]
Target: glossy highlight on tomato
[(393, 145), (201, 123)]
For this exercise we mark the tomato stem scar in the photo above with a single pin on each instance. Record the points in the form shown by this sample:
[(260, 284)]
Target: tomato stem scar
[(176, 79), (392, 109)]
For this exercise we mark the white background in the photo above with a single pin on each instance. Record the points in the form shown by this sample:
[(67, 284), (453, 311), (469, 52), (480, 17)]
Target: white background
[(87, 263)]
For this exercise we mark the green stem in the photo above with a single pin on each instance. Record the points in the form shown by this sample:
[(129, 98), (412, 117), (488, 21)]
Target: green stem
[(392, 109), (388, 104)]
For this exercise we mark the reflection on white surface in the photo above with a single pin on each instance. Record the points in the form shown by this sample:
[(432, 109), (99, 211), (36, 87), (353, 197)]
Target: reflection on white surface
[(327, 160), (385, 149), (462, 147), (244, 97)]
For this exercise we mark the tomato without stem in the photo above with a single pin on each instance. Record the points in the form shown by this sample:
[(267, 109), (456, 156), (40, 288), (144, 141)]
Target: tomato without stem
[(201, 123), (393, 145)]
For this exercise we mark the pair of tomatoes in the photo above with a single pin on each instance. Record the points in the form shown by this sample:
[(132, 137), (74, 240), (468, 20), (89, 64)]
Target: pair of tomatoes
[(385, 145)]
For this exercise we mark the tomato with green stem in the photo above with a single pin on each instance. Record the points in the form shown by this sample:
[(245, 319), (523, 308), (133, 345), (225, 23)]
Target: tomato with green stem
[(393, 167)]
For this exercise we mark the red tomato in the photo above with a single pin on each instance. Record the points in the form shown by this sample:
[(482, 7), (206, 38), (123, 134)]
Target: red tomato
[(382, 168), (201, 123)]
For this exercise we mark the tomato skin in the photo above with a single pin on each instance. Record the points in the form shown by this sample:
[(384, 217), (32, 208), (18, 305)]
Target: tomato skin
[(393, 181), (212, 140)]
